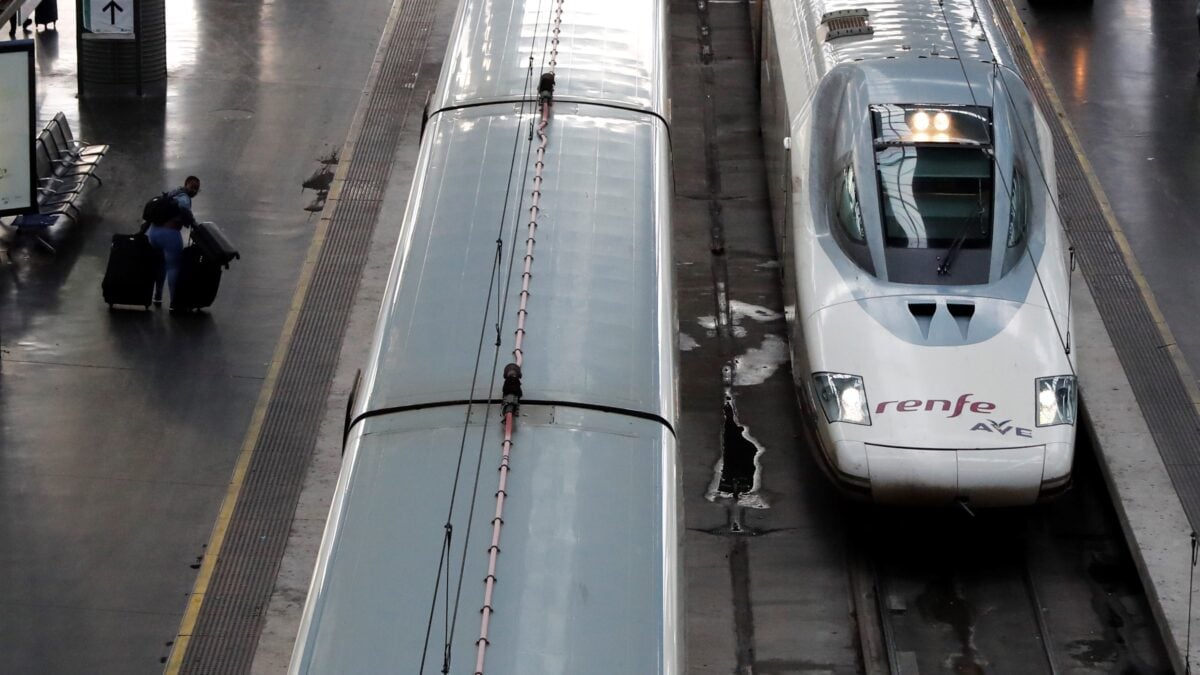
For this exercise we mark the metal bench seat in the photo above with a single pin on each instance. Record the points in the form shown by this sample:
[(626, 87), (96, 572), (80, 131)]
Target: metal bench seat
[(63, 167), (60, 147), (60, 130)]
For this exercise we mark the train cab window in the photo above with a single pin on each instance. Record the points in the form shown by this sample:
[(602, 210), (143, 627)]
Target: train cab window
[(1018, 215), (936, 191), (848, 212), (1018, 220), (849, 228), (934, 197)]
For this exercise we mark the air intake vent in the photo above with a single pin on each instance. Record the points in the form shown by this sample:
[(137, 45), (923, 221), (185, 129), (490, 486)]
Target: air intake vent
[(961, 310), (846, 22), (962, 313), (923, 312)]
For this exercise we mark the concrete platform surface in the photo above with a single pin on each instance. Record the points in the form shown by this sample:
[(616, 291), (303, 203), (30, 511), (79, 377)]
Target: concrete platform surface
[(120, 428)]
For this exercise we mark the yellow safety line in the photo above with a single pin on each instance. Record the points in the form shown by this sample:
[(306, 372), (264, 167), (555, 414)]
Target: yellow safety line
[(1110, 218), (267, 393)]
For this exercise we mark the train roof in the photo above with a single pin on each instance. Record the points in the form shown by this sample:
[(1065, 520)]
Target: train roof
[(610, 53), (600, 291), (865, 30), (588, 547)]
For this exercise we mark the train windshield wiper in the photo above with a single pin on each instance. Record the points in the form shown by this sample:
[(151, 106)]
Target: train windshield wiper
[(969, 220)]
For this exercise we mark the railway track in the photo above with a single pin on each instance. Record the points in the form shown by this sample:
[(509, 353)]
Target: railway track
[(1043, 590), (1047, 590), (959, 598)]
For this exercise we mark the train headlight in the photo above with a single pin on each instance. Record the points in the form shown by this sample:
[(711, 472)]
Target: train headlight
[(843, 397), (1056, 400)]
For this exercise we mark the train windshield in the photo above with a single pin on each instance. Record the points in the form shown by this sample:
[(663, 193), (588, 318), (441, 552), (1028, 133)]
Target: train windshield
[(936, 197), (935, 176)]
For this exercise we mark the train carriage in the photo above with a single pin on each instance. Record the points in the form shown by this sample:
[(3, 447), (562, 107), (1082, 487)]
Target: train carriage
[(926, 278), (587, 574)]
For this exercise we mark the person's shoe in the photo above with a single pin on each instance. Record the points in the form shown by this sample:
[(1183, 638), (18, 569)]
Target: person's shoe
[(158, 303)]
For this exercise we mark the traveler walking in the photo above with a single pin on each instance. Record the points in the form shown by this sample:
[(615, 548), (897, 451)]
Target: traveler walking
[(167, 235)]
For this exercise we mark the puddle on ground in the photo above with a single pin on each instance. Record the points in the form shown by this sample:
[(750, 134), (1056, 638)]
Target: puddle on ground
[(686, 342), (738, 473), (738, 311), (760, 363)]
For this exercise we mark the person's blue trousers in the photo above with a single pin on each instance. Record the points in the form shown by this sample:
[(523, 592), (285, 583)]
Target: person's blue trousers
[(169, 240)]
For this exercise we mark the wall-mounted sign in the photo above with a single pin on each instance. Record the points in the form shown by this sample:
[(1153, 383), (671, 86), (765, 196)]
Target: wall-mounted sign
[(109, 18), (18, 174)]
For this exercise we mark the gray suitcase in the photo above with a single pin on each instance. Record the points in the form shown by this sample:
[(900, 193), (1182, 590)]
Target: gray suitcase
[(213, 243)]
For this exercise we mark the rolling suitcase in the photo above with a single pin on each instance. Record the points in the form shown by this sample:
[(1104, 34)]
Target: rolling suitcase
[(214, 244), (46, 13), (198, 281), (133, 265)]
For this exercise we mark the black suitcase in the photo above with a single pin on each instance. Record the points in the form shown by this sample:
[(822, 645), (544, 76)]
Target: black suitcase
[(214, 244), (133, 265), (46, 13), (198, 281)]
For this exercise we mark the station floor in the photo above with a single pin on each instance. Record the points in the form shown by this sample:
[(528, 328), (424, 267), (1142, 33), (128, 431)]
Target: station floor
[(120, 430), (1128, 76)]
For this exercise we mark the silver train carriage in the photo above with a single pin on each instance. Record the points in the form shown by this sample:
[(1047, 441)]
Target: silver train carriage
[(587, 578), (926, 277)]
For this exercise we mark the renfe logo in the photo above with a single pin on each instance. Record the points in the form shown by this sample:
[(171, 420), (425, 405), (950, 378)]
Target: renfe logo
[(914, 405)]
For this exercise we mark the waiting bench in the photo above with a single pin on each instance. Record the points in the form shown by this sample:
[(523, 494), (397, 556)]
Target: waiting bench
[(64, 167)]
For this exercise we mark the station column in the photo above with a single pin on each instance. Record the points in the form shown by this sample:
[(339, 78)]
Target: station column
[(122, 47)]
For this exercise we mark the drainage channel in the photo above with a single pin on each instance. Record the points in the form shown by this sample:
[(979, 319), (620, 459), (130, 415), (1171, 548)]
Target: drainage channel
[(736, 475)]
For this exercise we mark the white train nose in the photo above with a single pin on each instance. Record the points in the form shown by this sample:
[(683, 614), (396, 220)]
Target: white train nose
[(986, 478)]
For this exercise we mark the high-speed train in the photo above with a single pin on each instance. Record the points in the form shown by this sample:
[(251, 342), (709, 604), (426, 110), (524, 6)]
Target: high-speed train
[(462, 539), (925, 272)]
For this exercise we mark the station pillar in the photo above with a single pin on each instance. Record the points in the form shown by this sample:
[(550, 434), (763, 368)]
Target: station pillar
[(122, 47)]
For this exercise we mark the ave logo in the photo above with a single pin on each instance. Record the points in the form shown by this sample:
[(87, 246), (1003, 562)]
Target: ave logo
[(1002, 428)]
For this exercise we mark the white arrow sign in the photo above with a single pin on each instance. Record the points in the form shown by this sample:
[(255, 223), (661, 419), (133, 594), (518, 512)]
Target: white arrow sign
[(114, 17)]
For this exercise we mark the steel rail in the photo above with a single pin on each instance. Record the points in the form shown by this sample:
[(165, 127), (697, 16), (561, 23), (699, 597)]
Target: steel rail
[(876, 636), (1039, 618)]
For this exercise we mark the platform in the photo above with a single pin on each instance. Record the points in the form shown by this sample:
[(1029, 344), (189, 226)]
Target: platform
[(121, 429)]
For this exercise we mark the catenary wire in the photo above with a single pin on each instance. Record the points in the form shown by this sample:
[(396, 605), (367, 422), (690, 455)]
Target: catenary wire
[(544, 102), (450, 616), (502, 298), (1000, 173)]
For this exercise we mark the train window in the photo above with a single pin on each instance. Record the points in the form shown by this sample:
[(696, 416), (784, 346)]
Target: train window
[(848, 227), (935, 196), (1018, 216), (848, 212)]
